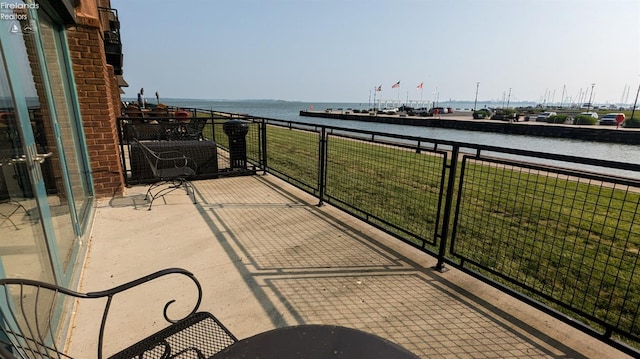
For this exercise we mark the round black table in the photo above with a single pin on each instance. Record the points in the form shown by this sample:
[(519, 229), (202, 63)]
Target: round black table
[(315, 342)]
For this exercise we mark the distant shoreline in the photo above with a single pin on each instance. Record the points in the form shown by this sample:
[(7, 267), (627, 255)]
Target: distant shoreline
[(456, 104)]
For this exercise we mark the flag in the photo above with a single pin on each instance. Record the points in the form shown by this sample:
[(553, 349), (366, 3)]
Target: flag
[(396, 85), (379, 88), (419, 87)]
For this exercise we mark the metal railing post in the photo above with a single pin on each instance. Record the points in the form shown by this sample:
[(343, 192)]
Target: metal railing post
[(322, 158), (453, 164), (123, 160), (263, 146), (213, 126)]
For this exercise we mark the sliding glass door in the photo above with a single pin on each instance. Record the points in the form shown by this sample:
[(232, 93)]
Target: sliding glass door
[(23, 248), (45, 191)]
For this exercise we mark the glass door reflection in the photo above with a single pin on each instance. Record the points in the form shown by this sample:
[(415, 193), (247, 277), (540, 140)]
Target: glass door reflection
[(23, 249)]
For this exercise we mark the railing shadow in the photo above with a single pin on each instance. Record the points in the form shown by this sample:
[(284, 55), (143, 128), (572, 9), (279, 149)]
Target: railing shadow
[(308, 264)]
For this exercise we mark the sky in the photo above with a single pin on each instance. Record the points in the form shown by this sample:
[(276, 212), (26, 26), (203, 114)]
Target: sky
[(341, 50)]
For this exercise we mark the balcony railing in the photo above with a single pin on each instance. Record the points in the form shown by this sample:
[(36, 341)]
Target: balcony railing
[(112, 42), (561, 233)]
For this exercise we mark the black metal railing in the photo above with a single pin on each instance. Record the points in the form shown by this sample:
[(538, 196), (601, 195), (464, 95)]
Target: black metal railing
[(110, 25), (558, 232), (561, 233)]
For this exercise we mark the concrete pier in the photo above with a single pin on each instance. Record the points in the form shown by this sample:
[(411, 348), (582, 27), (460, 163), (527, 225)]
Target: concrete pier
[(464, 121)]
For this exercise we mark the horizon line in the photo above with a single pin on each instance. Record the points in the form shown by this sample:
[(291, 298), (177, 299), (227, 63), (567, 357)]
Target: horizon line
[(361, 102)]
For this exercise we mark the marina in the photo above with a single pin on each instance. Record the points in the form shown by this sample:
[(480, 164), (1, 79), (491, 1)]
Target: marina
[(464, 121), (290, 111)]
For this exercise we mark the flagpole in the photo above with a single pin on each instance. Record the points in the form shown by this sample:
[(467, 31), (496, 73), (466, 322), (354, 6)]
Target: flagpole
[(375, 89), (434, 98)]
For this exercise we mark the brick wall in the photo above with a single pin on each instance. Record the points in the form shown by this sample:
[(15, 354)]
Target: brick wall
[(97, 93)]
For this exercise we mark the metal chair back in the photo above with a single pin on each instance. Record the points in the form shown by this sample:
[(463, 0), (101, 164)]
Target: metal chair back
[(32, 314)]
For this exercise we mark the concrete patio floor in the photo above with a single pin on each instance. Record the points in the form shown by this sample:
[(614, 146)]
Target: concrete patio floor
[(268, 257)]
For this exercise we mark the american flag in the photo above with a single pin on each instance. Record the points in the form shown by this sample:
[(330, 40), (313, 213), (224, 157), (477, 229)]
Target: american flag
[(396, 85)]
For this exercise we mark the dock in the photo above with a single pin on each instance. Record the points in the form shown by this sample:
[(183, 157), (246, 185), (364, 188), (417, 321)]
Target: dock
[(464, 121)]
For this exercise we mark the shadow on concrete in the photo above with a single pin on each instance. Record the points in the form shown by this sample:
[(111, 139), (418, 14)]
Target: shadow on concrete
[(307, 264)]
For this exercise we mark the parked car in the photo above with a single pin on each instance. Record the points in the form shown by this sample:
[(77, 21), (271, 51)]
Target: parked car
[(542, 117), (612, 119), (592, 114)]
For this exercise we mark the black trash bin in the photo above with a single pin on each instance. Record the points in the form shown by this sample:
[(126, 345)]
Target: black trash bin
[(237, 131)]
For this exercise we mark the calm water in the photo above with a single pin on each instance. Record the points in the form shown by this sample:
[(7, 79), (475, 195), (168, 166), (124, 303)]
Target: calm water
[(287, 110)]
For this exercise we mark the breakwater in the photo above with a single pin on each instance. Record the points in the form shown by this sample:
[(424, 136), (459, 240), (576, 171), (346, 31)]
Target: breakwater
[(465, 122)]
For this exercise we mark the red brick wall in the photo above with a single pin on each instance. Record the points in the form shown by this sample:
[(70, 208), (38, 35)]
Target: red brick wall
[(97, 93)]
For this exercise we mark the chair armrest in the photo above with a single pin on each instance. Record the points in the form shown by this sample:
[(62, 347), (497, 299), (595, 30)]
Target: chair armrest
[(181, 161), (174, 154), (110, 293)]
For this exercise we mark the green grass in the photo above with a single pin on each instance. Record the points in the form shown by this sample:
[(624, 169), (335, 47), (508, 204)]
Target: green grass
[(585, 120), (365, 177), (632, 122), (570, 239), (294, 153), (573, 241), (369, 177)]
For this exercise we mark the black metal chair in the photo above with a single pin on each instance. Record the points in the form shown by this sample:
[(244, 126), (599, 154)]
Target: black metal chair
[(6, 201), (183, 131), (29, 310), (6, 217), (171, 169), (195, 129)]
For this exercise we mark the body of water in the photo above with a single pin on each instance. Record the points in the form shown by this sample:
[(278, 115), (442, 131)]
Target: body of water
[(289, 110)]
